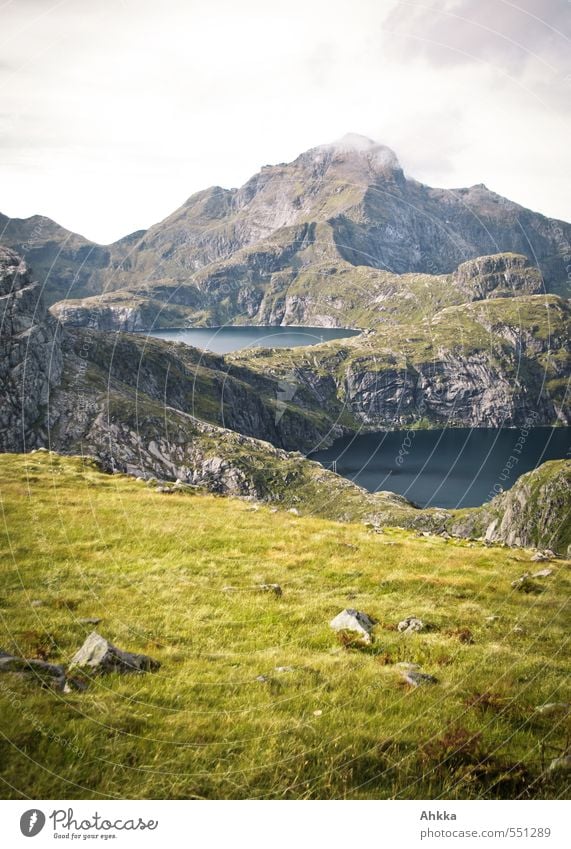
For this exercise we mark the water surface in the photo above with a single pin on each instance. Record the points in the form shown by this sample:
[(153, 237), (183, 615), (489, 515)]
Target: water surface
[(445, 468), (222, 340)]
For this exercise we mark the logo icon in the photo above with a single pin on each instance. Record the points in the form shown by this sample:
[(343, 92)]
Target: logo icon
[(32, 822), (286, 391)]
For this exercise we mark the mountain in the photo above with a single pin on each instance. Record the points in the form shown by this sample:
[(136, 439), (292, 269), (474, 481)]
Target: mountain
[(155, 410), (65, 263), (234, 254), (172, 413)]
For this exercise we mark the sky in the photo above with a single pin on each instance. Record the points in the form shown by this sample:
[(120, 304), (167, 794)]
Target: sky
[(113, 112)]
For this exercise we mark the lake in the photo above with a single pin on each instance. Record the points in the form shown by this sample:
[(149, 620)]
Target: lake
[(444, 468), (222, 340)]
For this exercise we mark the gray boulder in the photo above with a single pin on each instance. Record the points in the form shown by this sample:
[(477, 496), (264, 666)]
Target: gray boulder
[(410, 625), (100, 655), (271, 588), (562, 764), (525, 584), (354, 620), (45, 673), (418, 679), (554, 708), (543, 573)]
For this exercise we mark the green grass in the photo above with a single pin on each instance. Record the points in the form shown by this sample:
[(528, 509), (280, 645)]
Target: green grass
[(339, 724)]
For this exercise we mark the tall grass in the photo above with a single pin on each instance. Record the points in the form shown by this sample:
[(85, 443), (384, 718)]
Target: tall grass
[(218, 719)]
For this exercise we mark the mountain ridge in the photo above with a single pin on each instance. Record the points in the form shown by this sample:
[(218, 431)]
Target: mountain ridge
[(346, 201)]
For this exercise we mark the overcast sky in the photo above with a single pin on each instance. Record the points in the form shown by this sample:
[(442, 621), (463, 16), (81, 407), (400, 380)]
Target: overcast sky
[(112, 112)]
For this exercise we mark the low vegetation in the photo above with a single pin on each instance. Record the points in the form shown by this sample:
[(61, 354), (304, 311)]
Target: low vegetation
[(256, 697)]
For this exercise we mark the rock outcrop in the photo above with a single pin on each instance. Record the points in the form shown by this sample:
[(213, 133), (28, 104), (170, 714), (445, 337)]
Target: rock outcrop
[(99, 655), (155, 410), (355, 621), (535, 512), (30, 358), (503, 361), (505, 275)]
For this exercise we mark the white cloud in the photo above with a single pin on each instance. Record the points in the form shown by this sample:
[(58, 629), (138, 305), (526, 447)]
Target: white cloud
[(112, 113)]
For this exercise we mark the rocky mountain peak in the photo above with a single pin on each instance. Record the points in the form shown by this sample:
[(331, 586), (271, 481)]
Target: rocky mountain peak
[(353, 157)]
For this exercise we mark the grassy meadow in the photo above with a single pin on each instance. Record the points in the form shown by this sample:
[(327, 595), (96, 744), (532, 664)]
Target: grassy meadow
[(256, 696)]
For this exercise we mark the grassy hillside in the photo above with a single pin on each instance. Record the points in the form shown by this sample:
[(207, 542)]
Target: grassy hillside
[(337, 721)]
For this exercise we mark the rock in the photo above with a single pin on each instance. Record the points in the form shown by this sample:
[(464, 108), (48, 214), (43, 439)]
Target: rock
[(98, 654), (262, 679), (410, 625), (530, 514), (525, 584), (492, 618), (283, 669), (31, 358), (354, 620), (89, 621), (43, 672), (294, 511), (554, 708), (36, 603), (543, 573), (560, 764), (271, 588), (74, 685), (418, 679)]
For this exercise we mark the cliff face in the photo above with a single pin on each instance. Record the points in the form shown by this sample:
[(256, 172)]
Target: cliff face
[(535, 512), (148, 408), (500, 276), (30, 357), (485, 363)]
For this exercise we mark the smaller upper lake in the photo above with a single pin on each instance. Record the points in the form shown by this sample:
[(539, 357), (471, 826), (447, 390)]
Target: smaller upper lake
[(454, 467), (222, 340)]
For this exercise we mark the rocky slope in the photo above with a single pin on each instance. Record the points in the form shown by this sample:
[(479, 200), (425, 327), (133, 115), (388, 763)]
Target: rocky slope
[(65, 263), (487, 363), (535, 512), (156, 410), (152, 409), (30, 357), (334, 211)]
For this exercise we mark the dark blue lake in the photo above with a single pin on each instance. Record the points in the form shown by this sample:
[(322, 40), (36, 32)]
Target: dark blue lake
[(222, 340), (445, 468)]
